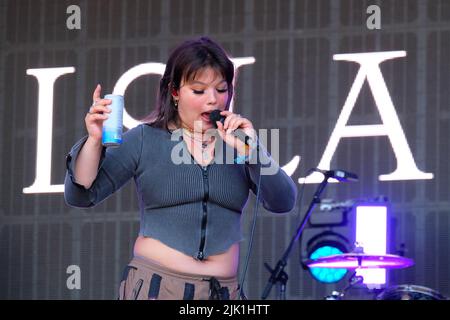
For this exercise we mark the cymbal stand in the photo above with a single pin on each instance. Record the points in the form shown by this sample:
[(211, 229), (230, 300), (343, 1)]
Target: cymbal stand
[(353, 281), (277, 274)]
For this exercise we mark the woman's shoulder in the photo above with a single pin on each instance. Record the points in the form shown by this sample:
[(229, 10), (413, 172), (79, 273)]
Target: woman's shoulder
[(143, 136), (149, 130), (146, 129), (150, 133), (148, 136)]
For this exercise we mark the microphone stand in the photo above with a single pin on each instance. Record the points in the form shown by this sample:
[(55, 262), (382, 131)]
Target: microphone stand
[(277, 275)]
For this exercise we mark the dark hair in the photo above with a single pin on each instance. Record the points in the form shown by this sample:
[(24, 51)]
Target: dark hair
[(185, 61)]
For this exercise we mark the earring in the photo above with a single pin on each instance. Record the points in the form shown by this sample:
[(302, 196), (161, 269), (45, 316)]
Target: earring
[(175, 102)]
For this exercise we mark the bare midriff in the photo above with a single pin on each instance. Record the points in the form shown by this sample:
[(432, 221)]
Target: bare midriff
[(221, 265)]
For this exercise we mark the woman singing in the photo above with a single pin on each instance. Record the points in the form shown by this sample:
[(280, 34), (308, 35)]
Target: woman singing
[(190, 227)]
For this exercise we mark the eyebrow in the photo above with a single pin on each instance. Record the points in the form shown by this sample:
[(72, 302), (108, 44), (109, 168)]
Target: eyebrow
[(199, 82)]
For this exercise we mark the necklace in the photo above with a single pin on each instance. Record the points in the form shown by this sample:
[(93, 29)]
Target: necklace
[(204, 144), (192, 136)]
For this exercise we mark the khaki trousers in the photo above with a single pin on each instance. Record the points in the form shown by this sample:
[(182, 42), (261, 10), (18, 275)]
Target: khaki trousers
[(144, 279)]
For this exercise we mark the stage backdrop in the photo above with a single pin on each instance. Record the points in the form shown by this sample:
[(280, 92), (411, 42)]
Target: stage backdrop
[(295, 84)]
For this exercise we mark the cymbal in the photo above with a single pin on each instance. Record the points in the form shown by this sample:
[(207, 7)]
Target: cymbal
[(360, 260)]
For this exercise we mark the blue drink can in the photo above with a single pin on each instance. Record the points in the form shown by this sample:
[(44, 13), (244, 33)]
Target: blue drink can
[(112, 127)]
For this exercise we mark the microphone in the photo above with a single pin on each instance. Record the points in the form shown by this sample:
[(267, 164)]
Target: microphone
[(216, 116), (339, 175)]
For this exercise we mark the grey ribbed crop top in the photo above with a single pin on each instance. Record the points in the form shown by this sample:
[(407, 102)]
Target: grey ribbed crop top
[(193, 209)]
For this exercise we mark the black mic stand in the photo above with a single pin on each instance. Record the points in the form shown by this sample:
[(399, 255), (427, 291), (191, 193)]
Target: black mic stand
[(277, 275)]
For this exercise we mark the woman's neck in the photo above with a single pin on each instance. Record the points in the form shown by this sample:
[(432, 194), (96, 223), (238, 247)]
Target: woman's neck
[(183, 125)]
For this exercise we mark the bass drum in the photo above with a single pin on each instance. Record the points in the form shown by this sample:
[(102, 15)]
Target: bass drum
[(410, 292)]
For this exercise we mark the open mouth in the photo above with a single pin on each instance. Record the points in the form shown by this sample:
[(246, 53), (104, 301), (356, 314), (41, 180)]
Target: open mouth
[(205, 116)]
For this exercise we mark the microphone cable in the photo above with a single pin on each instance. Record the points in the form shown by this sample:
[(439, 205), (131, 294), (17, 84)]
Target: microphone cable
[(250, 244), (255, 215), (216, 116)]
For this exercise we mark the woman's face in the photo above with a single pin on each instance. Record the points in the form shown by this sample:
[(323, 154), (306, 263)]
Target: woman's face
[(198, 97)]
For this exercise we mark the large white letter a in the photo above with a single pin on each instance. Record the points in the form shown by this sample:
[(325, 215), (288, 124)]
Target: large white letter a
[(391, 127)]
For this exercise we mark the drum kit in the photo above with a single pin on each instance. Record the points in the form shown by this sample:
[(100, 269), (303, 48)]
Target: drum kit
[(360, 260)]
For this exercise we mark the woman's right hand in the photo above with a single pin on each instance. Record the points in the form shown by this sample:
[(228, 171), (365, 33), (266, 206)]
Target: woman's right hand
[(98, 113)]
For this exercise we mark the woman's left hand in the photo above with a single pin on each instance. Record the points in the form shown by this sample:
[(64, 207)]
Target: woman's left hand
[(232, 122)]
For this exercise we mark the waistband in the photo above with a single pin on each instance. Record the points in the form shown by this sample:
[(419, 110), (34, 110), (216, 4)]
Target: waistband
[(152, 266)]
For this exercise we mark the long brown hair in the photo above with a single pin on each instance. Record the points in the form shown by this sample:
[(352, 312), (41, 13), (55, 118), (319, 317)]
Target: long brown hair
[(184, 62)]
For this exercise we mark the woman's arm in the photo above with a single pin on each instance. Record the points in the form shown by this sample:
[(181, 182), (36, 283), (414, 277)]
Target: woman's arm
[(277, 190), (87, 162), (115, 166)]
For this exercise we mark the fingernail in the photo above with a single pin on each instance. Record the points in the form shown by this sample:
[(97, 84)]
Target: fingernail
[(228, 131)]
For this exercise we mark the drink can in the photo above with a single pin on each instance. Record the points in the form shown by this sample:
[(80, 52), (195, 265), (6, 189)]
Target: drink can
[(112, 127)]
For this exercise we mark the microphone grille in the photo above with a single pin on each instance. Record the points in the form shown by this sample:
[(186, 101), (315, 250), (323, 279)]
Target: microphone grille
[(215, 116)]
